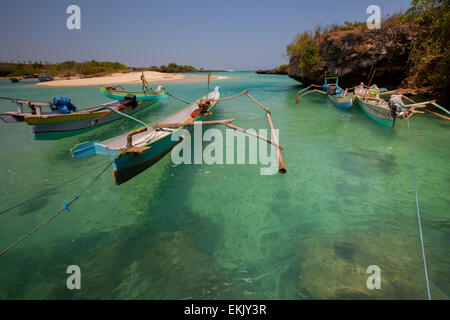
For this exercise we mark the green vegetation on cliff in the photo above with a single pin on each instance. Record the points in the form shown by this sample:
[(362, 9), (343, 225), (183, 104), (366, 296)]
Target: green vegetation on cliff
[(430, 53), (305, 47)]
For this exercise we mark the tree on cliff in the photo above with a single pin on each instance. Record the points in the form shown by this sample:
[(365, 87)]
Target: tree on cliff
[(430, 51)]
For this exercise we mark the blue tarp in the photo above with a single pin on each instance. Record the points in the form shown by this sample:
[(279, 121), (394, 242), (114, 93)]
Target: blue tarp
[(63, 105)]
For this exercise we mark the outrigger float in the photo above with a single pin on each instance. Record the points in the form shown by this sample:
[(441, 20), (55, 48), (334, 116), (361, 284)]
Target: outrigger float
[(134, 152), (63, 119), (339, 97)]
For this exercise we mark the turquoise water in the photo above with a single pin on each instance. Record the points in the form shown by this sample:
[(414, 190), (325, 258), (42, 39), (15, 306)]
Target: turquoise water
[(225, 231)]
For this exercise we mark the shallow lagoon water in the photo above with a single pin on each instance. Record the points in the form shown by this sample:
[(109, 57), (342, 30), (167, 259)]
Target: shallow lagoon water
[(225, 231)]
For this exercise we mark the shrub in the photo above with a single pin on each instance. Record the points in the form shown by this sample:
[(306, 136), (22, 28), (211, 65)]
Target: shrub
[(304, 47), (430, 52)]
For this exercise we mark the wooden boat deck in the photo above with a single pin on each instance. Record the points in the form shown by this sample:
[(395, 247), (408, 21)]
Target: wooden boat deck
[(152, 134)]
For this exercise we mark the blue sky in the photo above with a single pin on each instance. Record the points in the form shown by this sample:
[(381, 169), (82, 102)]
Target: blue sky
[(235, 35)]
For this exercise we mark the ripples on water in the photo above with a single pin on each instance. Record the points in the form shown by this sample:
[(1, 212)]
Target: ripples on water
[(218, 232)]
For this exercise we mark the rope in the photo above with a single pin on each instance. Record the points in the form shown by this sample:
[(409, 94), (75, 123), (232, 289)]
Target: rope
[(439, 107), (182, 100), (51, 189), (127, 116), (418, 213), (64, 207)]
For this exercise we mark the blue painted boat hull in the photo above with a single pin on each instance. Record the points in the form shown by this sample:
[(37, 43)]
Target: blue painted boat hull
[(341, 102)]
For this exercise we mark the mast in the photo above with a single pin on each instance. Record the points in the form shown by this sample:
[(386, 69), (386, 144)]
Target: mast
[(207, 88)]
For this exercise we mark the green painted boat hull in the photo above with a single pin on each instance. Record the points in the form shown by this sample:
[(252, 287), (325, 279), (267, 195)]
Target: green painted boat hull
[(140, 95), (378, 114)]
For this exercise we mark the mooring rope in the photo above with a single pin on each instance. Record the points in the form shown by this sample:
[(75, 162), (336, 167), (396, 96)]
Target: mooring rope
[(64, 207), (51, 189), (174, 96), (418, 213)]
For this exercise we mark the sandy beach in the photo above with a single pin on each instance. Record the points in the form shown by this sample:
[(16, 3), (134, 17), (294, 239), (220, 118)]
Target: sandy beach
[(152, 77)]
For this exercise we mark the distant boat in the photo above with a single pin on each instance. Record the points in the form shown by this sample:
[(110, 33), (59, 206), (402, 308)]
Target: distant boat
[(126, 71), (146, 94), (31, 76), (14, 80), (45, 77), (339, 97)]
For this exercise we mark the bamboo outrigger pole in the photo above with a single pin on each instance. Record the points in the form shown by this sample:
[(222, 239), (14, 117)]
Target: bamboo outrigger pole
[(437, 114), (226, 123), (207, 88), (281, 166), (275, 142)]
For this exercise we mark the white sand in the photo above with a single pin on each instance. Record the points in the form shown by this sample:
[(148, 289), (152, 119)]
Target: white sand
[(114, 79)]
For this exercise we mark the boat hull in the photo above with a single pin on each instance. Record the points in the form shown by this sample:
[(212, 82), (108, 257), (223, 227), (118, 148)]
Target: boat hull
[(149, 143), (128, 165), (377, 113), (140, 96), (74, 124), (341, 101)]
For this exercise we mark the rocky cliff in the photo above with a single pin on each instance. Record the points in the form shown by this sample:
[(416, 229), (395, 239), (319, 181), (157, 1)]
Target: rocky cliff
[(352, 52)]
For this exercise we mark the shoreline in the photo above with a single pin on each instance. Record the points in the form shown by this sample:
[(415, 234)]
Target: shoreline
[(127, 78)]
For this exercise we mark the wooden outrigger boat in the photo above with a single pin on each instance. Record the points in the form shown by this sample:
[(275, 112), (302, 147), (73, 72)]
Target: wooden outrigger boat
[(126, 71), (339, 98), (376, 108), (145, 95), (62, 120), (385, 107), (45, 78), (138, 150)]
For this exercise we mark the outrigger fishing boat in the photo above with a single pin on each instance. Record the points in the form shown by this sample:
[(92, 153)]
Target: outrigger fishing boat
[(134, 152), (147, 93), (63, 119), (376, 108), (385, 107), (339, 97)]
